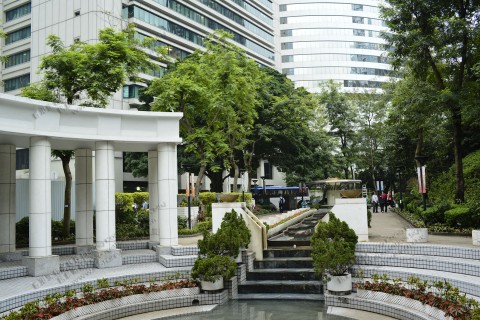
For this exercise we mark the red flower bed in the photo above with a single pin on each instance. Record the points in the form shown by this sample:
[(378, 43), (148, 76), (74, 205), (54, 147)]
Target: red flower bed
[(57, 304)]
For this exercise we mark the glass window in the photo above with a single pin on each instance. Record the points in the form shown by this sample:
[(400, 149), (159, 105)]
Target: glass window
[(286, 33), (132, 91), (18, 35), (17, 58), (18, 12), (267, 167), (359, 32), (357, 19), (357, 7), (288, 58), (17, 82), (283, 7), (22, 159)]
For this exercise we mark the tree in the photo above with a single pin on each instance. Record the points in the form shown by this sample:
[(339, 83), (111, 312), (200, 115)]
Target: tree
[(341, 118), (442, 37), (87, 74), (216, 89)]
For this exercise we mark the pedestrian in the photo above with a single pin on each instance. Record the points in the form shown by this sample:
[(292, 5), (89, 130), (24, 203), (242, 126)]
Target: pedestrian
[(375, 202), (383, 202), (390, 200), (281, 203)]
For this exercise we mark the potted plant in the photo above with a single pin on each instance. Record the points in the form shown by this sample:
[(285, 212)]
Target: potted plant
[(333, 252), (212, 269), (229, 238)]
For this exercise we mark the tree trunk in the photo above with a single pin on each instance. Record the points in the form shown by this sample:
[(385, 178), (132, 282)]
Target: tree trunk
[(419, 147), (201, 173), (68, 195), (235, 178), (457, 146), (216, 181)]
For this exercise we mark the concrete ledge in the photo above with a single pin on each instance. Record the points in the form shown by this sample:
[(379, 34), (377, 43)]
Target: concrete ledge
[(387, 309), (107, 259), (276, 230), (476, 237), (11, 256), (42, 266)]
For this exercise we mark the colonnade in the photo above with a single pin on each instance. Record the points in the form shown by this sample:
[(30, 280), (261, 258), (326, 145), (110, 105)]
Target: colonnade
[(162, 179)]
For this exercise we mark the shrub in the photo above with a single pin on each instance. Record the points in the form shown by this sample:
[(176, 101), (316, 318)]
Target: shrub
[(206, 199), (435, 214), (182, 222), (333, 247), (458, 217), (214, 267)]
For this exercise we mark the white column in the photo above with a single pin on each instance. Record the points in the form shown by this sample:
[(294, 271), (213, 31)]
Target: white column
[(83, 198), (153, 196), (40, 198), (7, 198), (167, 194), (105, 196)]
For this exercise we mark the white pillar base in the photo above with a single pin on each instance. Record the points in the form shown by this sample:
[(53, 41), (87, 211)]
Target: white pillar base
[(417, 235), (161, 250), (42, 266), (476, 237), (153, 244), (107, 259), (10, 256)]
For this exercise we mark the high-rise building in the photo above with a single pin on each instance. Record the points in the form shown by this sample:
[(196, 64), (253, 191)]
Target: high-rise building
[(180, 24), (339, 40)]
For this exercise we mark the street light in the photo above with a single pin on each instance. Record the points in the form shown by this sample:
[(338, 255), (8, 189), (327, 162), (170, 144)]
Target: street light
[(302, 184), (264, 190), (255, 189), (422, 186), (242, 172)]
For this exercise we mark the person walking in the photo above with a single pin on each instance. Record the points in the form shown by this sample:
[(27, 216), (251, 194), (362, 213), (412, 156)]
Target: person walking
[(374, 202), (281, 203), (383, 202)]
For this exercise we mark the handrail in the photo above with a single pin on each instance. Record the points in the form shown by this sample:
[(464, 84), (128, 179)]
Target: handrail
[(259, 223)]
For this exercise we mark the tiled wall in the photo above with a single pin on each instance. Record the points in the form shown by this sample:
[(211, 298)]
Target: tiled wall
[(420, 249), (391, 310)]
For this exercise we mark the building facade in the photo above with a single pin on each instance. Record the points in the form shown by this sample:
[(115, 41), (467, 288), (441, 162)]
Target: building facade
[(339, 40), (182, 25)]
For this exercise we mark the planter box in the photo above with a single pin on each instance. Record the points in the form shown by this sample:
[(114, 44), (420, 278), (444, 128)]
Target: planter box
[(212, 286), (339, 285), (403, 301), (116, 303), (476, 237), (418, 235)]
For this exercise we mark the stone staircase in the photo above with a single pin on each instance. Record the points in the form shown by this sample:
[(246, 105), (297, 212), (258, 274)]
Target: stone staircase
[(286, 272)]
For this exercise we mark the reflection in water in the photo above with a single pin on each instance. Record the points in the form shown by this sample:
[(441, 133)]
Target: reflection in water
[(265, 310)]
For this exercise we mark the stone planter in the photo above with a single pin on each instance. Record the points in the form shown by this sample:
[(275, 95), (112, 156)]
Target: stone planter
[(339, 285), (212, 285), (417, 235), (476, 237), (117, 303), (403, 301)]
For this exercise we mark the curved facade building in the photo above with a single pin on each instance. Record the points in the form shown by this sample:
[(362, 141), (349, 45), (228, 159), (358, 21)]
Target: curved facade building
[(338, 40)]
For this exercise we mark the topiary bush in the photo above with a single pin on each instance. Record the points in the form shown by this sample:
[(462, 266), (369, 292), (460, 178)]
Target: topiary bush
[(206, 199), (333, 247)]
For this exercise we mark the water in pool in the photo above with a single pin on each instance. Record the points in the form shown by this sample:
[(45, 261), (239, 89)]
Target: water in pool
[(265, 310)]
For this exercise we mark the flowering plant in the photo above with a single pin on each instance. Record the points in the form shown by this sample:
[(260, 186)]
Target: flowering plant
[(56, 304), (440, 294)]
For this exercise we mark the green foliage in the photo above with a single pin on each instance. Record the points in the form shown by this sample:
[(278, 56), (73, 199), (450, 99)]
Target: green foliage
[(232, 234), (459, 216), (94, 70), (22, 231), (103, 283), (206, 199), (369, 217), (333, 247), (213, 267), (435, 214), (182, 222)]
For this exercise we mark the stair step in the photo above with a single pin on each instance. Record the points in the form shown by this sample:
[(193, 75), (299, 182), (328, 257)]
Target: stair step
[(287, 243), (288, 252), (281, 286), (171, 261), (9, 270), (76, 262), (139, 256), (281, 274), (271, 263), (280, 296), (438, 263)]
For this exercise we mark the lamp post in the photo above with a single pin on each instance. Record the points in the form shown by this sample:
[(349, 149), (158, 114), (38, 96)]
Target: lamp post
[(242, 173), (255, 189), (400, 201), (421, 172), (264, 190), (302, 183)]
